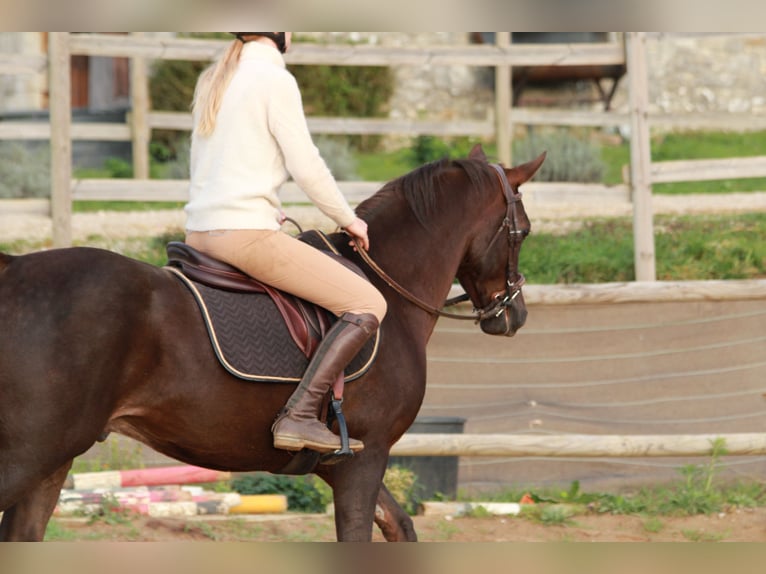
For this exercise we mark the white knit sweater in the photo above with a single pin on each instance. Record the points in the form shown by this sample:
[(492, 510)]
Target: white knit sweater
[(260, 137)]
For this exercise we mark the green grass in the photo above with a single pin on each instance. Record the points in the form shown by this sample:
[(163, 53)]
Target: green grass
[(692, 145), (687, 248), (92, 206)]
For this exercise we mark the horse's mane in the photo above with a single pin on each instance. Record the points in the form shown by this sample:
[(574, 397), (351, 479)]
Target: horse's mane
[(421, 188)]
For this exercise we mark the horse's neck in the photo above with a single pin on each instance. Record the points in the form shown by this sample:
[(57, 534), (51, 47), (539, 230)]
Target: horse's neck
[(423, 262)]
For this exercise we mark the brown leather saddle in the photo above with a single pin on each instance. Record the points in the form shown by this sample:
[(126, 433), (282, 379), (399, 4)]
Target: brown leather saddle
[(260, 333)]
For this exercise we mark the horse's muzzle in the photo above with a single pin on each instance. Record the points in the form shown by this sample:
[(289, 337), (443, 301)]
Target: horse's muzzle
[(507, 322)]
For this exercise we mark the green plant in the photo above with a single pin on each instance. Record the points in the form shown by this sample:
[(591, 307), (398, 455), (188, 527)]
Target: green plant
[(402, 484), (702, 536), (426, 148), (26, 170), (56, 532), (110, 512), (171, 89), (346, 91), (653, 525), (478, 511), (447, 529), (697, 494), (302, 494), (554, 515), (571, 157)]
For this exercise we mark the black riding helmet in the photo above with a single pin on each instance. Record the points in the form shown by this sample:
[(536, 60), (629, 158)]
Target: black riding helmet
[(278, 37)]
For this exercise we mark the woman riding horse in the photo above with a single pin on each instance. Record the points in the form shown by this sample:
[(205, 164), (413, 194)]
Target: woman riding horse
[(249, 132)]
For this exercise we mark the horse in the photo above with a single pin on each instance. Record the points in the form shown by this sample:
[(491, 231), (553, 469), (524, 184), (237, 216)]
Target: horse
[(94, 342)]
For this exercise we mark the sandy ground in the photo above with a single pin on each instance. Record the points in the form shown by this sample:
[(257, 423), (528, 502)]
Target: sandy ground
[(735, 525), (16, 222)]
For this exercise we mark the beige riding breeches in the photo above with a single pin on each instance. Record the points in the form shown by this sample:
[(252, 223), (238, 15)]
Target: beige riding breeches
[(280, 260)]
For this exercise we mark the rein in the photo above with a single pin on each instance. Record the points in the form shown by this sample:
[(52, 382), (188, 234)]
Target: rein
[(501, 299)]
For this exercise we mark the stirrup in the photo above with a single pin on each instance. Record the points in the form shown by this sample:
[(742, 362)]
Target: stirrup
[(344, 452)]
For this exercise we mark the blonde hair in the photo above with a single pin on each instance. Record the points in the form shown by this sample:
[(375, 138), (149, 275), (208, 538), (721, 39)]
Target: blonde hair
[(211, 85)]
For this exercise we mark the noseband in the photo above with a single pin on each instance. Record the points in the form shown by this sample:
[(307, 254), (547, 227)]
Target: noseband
[(501, 300)]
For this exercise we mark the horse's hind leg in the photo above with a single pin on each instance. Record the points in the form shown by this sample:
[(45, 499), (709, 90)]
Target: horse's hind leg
[(26, 520), (395, 524)]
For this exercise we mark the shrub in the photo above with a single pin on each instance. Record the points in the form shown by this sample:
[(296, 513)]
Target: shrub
[(346, 91), (301, 491), (426, 149), (356, 91), (570, 158), (402, 484), (26, 170)]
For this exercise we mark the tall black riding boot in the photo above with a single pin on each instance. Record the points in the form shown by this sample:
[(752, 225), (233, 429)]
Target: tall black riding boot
[(299, 427)]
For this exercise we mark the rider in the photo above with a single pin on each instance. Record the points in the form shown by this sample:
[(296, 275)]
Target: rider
[(249, 133)]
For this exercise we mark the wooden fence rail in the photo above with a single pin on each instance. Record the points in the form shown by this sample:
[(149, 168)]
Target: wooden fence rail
[(577, 445), (504, 55)]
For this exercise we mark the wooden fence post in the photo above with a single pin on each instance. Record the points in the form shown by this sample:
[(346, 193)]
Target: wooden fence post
[(60, 107), (503, 103), (139, 120), (640, 158)]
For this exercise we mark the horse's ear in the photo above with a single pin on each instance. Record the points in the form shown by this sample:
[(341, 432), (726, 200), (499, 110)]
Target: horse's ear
[(524, 172), (477, 152)]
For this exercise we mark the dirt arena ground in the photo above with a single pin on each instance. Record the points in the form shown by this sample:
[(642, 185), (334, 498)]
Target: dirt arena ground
[(738, 525)]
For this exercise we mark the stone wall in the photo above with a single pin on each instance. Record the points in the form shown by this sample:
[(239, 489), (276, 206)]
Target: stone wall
[(687, 73), (707, 73)]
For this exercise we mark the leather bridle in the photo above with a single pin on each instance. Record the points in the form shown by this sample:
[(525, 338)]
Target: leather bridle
[(502, 299)]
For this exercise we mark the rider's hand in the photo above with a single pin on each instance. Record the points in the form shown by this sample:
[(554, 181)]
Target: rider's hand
[(358, 229)]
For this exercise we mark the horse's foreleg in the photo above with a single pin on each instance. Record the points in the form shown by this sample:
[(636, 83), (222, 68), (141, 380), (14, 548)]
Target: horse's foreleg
[(356, 486), (26, 520), (395, 524)]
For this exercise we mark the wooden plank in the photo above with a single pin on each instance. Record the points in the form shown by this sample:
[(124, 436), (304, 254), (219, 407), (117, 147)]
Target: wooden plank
[(355, 191), (640, 158), (479, 55), (138, 120), (178, 190), (19, 64), (61, 139), (97, 131), (563, 117), (130, 189), (182, 121), (641, 292), (708, 169), (116, 46), (720, 121), (575, 445), (565, 192), (527, 116), (359, 55), (25, 206), (503, 103), (325, 125)]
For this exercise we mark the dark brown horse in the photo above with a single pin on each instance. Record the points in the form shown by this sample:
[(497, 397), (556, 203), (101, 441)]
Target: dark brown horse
[(93, 342)]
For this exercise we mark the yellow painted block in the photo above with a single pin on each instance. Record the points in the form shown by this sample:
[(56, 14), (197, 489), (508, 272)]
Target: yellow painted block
[(260, 504)]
